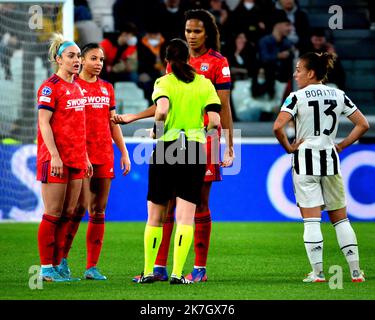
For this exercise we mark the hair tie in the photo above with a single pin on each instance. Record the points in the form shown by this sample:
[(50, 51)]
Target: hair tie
[(64, 46)]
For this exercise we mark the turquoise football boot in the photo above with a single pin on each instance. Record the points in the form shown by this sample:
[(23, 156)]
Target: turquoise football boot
[(93, 274), (50, 274)]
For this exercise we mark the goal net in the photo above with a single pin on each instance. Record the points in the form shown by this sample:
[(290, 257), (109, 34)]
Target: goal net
[(25, 30)]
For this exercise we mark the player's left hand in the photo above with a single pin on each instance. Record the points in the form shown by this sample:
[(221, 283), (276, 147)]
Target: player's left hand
[(125, 164), (228, 157)]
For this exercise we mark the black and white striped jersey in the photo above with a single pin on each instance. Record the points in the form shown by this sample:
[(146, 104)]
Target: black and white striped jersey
[(316, 110)]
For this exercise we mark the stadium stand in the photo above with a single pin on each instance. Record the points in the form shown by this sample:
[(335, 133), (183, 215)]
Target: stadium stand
[(102, 14), (355, 44), (129, 97)]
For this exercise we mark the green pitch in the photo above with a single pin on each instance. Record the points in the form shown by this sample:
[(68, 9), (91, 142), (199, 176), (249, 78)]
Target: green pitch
[(247, 261)]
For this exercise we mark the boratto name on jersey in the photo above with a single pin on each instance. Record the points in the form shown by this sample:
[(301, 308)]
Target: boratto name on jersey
[(313, 93)]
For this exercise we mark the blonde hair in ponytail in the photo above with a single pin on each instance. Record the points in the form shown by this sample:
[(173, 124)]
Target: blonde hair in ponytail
[(330, 59), (56, 41)]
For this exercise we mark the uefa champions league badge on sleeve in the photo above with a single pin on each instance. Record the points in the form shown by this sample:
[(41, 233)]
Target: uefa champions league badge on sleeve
[(46, 91), (287, 101)]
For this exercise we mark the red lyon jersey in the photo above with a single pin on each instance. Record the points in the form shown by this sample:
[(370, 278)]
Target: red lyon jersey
[(100, 100), (67, 103), (213, 66)]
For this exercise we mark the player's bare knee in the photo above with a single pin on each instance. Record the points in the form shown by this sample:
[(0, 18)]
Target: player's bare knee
[(337, 215), (56, 212), (155, 221), (69, 211)]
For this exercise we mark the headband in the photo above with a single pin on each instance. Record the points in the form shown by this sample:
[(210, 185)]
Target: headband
[(64, 46)]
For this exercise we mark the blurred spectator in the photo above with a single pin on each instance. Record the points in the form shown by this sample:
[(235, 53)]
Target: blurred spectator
[(371, 10), (300, 33), (247, 18), (82, 10), (151, 59), (320, 44), (276, 53), (242, 58), (266, 6), (8, 44), (170, 19), (139, 12), (196, 4), (251, 100), (232, 4), (87, 31), (120, 54), (220, 11), (52, 22)]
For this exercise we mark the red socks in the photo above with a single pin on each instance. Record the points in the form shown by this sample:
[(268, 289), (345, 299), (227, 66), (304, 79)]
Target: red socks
[(60, 234), (94, 239), (71, 232), (202, 235), (46, 238), (54, 230), (162, 257)]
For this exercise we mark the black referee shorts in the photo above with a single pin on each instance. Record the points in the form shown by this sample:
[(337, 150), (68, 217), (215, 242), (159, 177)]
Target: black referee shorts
[(176, 171)]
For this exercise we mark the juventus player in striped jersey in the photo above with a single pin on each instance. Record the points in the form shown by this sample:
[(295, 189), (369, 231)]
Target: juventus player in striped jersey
[(317, 180)]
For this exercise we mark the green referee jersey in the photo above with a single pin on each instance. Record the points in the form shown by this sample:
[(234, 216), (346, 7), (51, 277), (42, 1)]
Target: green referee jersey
[(187, 102)]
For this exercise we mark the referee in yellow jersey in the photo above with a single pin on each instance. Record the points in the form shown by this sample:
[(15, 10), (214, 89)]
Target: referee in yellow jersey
[(178, 161)]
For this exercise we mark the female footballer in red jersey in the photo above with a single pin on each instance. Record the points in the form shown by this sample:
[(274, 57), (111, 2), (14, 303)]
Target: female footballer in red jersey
[(100, 107), (61, 157), (203, 38)]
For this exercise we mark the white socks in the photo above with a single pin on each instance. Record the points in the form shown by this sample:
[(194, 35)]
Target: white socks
[(313, 239), (346, 238), (348, 243)]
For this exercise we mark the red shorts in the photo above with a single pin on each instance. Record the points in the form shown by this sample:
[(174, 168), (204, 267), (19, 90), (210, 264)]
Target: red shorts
[(105, 170), (213, 172), (43, 173)]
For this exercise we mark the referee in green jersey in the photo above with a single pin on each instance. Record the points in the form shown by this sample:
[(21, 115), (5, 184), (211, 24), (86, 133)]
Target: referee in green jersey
[(178, 163)]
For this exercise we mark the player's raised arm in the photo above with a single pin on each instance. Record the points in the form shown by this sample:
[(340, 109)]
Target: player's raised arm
[(129, 117)]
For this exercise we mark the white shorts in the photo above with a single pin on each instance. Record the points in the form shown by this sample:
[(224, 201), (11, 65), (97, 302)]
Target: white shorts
[(314, 191)]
